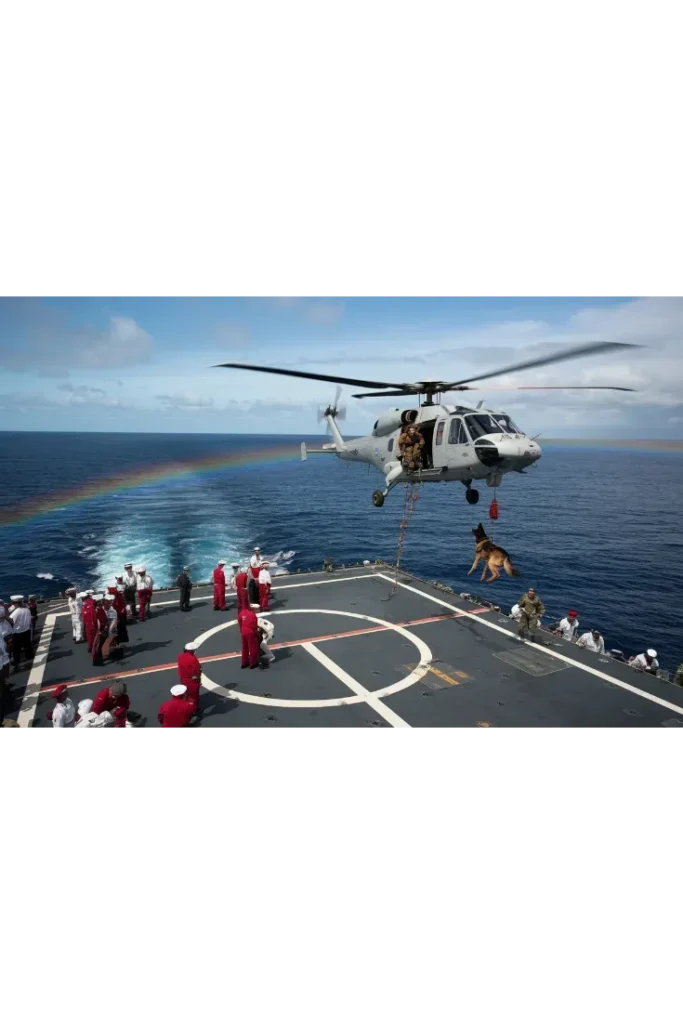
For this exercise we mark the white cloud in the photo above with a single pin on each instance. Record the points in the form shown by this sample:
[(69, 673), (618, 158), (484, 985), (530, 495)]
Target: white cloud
[(38, 339), (324, 312), (182, 401)]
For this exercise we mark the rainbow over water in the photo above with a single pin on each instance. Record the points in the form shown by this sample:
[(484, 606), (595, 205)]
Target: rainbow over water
[(149, 475)]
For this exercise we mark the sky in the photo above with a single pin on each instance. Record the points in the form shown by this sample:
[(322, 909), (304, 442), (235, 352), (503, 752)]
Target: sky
[(146, 364)]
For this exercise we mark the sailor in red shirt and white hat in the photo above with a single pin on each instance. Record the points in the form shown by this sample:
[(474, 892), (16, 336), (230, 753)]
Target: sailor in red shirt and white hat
[(249, 630), (119, 605), (190, 672), (89, 623), (177, 712), (101, 627), (219, 587), (241, 589)]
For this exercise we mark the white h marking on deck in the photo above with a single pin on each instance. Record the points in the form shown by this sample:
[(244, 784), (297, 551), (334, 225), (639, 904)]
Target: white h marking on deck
[(381, 709)]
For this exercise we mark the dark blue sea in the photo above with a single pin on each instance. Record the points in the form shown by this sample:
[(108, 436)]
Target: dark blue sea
[(595, 529)]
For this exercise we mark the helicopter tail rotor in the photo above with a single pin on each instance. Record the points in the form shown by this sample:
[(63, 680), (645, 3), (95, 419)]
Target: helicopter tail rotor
[(335, 410)]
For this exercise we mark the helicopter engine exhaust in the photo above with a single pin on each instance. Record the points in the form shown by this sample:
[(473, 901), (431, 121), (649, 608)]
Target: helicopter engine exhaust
[(390, 421)]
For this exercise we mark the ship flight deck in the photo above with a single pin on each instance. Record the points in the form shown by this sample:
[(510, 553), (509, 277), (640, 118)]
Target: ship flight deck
[(356, 647)]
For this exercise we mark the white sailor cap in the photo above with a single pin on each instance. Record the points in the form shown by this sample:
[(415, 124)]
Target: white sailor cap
[(127, 565), (221, 561), (179, 689), (100, 597), (84, 593), (186, 568), (118, 575), (651, 653), (141, 568), (235, 565), (17, 597), (257, 548), (191, 646)]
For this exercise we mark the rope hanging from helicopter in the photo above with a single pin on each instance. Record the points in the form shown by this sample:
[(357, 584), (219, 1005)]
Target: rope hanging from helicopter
[(411, 497)]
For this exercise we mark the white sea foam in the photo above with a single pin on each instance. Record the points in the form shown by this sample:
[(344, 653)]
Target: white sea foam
[(44, 576)]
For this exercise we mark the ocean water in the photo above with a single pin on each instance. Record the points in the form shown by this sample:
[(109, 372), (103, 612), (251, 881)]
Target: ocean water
[(595, 529)]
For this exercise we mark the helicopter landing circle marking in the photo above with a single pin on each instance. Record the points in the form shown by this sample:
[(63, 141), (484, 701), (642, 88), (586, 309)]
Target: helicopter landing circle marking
[(337, 702)]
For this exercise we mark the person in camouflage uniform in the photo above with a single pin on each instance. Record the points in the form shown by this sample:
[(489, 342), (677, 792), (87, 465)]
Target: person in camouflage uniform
[(410, 444), (532, 608)]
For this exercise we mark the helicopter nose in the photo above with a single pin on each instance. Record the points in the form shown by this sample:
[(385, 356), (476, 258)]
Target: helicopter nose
[(494, 450)]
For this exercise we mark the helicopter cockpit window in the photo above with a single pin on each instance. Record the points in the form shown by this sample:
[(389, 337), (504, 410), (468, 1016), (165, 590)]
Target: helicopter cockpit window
[(481, 424), (439, 432), (507, 424)]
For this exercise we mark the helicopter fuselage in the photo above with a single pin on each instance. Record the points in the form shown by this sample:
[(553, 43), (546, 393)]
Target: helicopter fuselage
[(461, 444)]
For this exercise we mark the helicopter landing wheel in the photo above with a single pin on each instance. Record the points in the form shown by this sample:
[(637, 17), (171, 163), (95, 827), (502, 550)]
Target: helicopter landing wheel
[(472, 495), (377, 499)]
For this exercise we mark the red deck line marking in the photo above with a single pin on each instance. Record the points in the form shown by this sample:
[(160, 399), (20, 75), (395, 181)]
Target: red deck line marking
[(274, 647)]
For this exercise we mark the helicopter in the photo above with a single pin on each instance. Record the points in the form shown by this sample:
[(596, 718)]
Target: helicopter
[(460, 443)]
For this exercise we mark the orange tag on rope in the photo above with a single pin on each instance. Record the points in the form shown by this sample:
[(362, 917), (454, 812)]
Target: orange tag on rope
[(493, 509)]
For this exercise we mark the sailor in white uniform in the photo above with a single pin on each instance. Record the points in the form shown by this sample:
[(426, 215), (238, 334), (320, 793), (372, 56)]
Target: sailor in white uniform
[(593, 641), (569, 626), (87, 719), (64, 713), (269, 629), (76, 612), (645, 662)]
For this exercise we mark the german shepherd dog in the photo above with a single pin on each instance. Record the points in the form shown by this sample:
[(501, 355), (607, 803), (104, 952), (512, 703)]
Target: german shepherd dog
[(494, 557)]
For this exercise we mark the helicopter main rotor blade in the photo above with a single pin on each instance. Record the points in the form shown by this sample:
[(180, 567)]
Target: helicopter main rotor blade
[(593, 348), (311, 376), (405, 393), (554, 387)]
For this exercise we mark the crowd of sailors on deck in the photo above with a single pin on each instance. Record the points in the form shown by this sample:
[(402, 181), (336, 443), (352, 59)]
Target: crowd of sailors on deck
[(529, 610), (101, 621)]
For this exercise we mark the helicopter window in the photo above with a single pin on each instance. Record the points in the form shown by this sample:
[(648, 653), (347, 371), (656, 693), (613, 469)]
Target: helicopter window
[(390, 446), (480, 424), (457, 433), (507, 424), (439, 432)]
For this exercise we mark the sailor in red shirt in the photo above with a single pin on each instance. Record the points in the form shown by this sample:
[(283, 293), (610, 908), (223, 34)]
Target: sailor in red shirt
[(89, 619), (264, 584), (190, 672), (241, 588), (110, 698), (102, 630), (119, 605), (248, 624), (219, 587), (178, 711)]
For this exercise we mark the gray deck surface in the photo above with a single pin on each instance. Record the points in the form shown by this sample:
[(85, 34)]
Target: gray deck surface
[(464, 672)]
